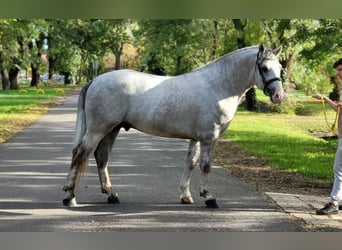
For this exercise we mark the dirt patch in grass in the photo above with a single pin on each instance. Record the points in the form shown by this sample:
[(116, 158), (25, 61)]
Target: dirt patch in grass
[(259, 175)]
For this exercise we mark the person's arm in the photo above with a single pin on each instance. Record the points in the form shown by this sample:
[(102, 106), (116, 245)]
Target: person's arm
[(332, 104)]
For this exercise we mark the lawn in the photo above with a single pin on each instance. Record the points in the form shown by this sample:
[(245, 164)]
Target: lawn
[(19, 108), (285, 141)]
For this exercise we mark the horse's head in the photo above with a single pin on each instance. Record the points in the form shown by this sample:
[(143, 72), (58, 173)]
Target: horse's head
[(269, 70)]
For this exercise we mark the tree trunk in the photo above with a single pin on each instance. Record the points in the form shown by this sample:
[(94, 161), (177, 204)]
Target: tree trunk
[(118, 58), (13, 78), (89, 74), (286, 64), (214, 45), (251, 102), (35, 76), (154, 67), (67, 79), (84, 57), (335, 93), (5, 79), (51, 61), (241, 43), (179, 69)]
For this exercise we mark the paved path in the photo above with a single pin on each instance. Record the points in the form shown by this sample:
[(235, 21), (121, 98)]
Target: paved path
[(303, 207), (145, 171)]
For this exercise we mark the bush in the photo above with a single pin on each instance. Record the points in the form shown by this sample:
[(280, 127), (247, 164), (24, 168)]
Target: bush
[(311, 80)]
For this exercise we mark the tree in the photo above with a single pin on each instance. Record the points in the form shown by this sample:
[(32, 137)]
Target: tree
[(62, 53), (89, 36), (324, 36), (321, 47), (8, 49), (19, 40), (240, 26), (170, 43), (36, 48), (116, 37)]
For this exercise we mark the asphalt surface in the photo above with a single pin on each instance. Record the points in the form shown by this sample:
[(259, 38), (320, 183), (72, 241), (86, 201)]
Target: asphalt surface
[(145, 172)]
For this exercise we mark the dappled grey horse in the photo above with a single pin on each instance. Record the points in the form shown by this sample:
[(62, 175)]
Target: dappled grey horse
[(198, 106)]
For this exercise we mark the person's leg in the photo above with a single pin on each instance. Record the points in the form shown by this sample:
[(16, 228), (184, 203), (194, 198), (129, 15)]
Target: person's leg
[(336, 194)]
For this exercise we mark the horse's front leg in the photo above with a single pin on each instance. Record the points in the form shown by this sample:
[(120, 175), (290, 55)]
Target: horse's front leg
[(101, 156), (207, 149), (191, 160)]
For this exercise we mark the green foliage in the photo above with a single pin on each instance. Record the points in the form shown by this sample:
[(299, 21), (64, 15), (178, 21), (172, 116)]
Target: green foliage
[(8, 44), (325, 37), (170, 43), (311, 80), (175, 46), (61, 50)]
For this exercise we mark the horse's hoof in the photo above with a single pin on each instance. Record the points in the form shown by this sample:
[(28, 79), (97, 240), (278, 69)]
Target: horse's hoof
[(211, 203), (70, 202), (187, 200), (113, 199)]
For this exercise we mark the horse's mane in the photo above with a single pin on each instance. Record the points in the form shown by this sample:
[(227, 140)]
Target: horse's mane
[(237, 51), (226, 56)]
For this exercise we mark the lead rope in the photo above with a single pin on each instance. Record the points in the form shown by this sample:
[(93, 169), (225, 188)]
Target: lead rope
[(333, 128)]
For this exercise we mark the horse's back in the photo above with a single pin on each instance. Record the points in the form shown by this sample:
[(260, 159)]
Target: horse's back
[(115, 88), (129, 80)]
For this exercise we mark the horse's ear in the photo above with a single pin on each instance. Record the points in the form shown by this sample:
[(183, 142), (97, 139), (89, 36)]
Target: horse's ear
[(277, 50), (261, 51)]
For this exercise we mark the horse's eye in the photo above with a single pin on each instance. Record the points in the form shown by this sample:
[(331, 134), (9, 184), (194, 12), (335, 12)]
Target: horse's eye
[(264, 69)]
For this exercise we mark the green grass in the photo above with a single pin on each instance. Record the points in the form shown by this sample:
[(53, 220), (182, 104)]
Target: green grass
[(13, 101), (19, 108), (284, 141)]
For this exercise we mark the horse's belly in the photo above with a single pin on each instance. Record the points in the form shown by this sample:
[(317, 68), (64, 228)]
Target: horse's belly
[(173, 128)]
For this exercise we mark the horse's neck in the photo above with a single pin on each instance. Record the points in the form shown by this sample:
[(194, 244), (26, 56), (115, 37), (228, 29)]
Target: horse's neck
[(234, 73)]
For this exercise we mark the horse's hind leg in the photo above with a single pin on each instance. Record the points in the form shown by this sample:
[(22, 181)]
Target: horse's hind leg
[(207, 149), (79, 164), (191, 160), (101, 155)]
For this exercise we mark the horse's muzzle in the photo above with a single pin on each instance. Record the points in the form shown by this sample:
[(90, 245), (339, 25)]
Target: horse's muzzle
[(275, 91), (278, 96)]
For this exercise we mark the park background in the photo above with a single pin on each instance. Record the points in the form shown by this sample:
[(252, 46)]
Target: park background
[(41, 58), (171, 9)]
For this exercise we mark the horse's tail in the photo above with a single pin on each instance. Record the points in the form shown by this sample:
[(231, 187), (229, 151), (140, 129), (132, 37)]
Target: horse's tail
[(80, 129), (81, 125)]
